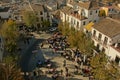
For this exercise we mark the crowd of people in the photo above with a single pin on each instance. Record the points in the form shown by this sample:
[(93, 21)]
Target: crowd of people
[(58, 42)]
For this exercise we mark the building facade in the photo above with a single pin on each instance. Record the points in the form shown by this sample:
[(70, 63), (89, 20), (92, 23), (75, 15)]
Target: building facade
[(106, 37), (79, 14)]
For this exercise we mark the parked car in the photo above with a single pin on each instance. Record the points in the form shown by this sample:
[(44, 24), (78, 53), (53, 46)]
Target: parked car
[(53, 29)]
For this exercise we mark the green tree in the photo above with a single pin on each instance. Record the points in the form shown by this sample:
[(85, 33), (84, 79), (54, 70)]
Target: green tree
[(29, 18), (103, 69), (98, 63), (45, 25), (10, 35), (113, 71), (85, 44), (64, 28), (77, 39)]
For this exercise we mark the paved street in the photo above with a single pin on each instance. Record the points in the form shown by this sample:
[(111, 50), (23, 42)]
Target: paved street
[(58, 61), (29, 60)]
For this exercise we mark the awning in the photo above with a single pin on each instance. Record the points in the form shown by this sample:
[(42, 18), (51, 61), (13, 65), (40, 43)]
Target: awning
[(89, 26)]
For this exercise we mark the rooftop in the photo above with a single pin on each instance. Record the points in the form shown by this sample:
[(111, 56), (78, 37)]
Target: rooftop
[(70, 11), (108, 26), (86, 4), (66, 9), (37, 7)]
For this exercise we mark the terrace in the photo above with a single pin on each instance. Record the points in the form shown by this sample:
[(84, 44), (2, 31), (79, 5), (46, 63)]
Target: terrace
[(78, 16)]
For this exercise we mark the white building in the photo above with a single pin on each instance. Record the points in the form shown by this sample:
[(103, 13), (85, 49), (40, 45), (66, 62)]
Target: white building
[(42, 13), (106, 37), (5, 12), (79, 14)]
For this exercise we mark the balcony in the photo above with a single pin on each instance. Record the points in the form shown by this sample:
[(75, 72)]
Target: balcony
[(99, 41), (78, 16)]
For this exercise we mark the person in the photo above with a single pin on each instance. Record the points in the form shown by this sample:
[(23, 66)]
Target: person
[(41, 45), (66, 69), (64, 63), (76, 67), (61, 71)]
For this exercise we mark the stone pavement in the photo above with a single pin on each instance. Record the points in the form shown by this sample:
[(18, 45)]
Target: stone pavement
[(58, 60), (28, 60)]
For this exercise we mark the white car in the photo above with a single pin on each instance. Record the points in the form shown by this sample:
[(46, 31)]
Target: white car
[(53, 29)]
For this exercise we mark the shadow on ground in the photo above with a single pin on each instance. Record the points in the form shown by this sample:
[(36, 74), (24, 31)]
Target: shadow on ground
[(26, 63)]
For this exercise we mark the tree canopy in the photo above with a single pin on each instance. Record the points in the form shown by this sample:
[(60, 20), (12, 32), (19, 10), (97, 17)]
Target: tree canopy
[(10, 35), (29, 18), (77, 39), (103, 69), (45, 25)]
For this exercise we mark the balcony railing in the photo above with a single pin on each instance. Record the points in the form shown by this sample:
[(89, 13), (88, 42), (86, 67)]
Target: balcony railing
[(99, 41)]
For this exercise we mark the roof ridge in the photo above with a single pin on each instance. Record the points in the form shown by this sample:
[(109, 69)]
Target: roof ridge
[(113, 20)]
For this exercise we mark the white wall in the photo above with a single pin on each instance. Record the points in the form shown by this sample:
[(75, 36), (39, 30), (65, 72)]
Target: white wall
[(94, 16), (113, 53), (62, 16), (109, 51), (5, 15)]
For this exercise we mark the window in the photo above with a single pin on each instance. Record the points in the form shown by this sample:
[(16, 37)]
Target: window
[(48, 19), (84, 23), (94, 33), (98, 48), (41, 18), (74, 21), (96, 11), (105, 40), (99, 37), (41, 13), (36, 13), (77, 23), (90, 12), (94, 20), (103, 49), (37, 19)]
